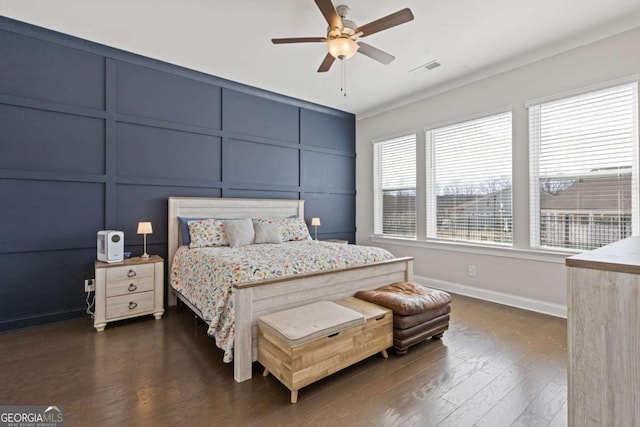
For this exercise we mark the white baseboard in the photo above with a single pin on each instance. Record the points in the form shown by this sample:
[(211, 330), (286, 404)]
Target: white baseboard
[(544, 307)]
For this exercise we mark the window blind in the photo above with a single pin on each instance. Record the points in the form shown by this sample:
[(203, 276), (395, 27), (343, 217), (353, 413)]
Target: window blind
[(395, 186), (583, 171), (469, 181)]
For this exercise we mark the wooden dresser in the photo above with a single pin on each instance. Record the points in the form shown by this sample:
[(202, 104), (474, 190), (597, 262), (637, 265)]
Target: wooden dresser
[(603, 298)]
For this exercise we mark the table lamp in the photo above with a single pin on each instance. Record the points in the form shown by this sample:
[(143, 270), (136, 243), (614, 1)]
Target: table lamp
[(145, 228), (315, 222)]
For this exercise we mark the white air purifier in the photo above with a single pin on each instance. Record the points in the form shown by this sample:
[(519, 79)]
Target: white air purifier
[(110, 246)]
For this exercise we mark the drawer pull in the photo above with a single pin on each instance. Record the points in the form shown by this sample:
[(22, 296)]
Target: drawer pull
[(132, 305), (131, 273), (381, 317), (333, 335), (132, 287)]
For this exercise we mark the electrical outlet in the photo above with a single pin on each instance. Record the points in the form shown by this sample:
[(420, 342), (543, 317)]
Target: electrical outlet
[(89, 285), (471, 270)]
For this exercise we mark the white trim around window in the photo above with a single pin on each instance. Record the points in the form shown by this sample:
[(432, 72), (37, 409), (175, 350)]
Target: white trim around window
[(584, 169), (469, 180), (394, 186)]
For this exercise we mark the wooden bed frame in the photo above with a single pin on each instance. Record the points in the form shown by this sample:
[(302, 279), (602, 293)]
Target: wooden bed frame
[(252, 300)]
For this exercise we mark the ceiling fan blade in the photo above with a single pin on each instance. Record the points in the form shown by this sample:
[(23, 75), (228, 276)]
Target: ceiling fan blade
[(299, 40), (327, 62), (330, 14), (375, 53), (400, 17)]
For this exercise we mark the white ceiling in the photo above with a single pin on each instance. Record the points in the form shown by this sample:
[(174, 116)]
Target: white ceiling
[(231, 39)]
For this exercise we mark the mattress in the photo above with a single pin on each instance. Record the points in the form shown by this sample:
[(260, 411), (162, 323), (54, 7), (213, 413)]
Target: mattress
[(205, 276)]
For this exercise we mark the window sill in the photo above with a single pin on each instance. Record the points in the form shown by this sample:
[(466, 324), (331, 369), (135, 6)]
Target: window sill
[(505, 252)]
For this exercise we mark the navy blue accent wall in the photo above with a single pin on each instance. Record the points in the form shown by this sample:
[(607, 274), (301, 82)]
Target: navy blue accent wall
[(95, 138)]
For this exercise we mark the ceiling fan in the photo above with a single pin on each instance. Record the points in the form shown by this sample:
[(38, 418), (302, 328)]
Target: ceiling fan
[(343, 35)]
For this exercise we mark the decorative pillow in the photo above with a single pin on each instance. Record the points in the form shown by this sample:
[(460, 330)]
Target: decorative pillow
[(297, 229), (185, 239), (267, 233), (239, 232), (290, 228), (205, 233)]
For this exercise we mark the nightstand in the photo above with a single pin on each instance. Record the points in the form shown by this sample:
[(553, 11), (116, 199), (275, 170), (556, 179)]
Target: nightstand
[(344, 242), (133, 287)]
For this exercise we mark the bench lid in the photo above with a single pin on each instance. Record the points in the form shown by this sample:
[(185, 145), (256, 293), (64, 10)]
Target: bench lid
[(308, 322)]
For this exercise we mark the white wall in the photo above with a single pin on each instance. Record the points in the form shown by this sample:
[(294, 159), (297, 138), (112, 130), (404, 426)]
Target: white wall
[(514, 276)]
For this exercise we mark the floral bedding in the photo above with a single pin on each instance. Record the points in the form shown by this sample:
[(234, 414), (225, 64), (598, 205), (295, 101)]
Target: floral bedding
[(205, 276)]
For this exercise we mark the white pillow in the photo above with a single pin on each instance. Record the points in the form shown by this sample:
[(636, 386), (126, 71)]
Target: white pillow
[(267, 233), (239, 232)]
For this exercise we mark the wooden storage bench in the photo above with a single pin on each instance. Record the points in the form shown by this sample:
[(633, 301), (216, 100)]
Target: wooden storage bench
[(302, 345)]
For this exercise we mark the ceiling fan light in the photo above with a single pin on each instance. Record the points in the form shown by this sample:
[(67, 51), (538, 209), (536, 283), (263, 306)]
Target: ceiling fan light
[(342, 47)]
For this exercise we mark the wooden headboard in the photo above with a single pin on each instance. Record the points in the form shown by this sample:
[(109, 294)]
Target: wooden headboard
[(204, 207)]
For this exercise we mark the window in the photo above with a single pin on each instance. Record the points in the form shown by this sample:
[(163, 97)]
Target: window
[(394, 170), (583, 167), (469, 181)]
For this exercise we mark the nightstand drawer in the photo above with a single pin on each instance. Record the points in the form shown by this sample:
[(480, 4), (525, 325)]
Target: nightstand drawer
[(129, 305), (131, 286), (129, 272)]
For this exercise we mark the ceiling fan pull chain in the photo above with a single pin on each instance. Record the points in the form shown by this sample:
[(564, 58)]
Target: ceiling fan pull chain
[(342, 76), (343, 83), (345, 78)]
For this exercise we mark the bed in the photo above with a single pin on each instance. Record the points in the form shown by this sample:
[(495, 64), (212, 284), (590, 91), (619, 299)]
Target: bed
[(252, 299)]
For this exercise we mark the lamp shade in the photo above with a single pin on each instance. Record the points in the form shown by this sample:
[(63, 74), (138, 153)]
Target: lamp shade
[(315, 221), (144, 228), (342, 47)]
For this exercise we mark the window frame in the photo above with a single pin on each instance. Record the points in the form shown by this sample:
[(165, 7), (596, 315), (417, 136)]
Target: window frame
[(378, 197), (534, 160), (430, 170)]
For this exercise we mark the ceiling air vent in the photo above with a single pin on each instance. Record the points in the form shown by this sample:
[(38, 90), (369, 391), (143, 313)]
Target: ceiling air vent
[(426, 67)]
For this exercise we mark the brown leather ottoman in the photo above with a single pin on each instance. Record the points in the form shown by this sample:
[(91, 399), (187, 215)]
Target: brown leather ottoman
[(418, 312)]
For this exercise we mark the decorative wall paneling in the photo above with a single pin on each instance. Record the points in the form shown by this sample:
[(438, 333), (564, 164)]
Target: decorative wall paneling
[(95, 138)]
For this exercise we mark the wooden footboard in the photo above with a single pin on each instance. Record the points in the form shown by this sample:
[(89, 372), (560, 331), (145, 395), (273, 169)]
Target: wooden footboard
[(256, 299)]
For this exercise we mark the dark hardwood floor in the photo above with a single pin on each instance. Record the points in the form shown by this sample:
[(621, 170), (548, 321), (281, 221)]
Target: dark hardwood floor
[(496, 366)]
